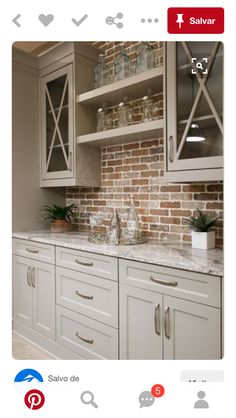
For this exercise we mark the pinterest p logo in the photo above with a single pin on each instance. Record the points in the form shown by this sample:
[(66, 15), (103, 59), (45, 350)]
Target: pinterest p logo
[(34, 399)]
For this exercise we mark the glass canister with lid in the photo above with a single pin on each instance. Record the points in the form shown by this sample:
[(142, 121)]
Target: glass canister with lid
[(122, 65), (125, 113), (101, 72), (145, 57), (147, 107), (101, 119)]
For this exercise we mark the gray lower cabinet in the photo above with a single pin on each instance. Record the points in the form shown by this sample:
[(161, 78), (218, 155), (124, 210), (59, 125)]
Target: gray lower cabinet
[(34, 295), (87, 303), (161, 317), (75, 305)]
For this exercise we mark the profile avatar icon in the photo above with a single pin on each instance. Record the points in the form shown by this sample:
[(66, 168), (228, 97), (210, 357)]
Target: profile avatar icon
[(201, 403), (27, 375)]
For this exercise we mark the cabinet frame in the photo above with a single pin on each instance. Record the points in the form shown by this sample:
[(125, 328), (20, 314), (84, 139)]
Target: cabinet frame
[(191, 169), (45, 174)]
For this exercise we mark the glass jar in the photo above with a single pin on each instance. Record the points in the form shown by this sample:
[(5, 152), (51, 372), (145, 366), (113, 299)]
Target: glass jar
[(125, 113), (147, 107), (145, 57), (101, 119), (101, 72), (108, 121), (157, 110), (122, 65)]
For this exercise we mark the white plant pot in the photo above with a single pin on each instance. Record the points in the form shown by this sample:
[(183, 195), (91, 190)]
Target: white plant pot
[(203, 240)]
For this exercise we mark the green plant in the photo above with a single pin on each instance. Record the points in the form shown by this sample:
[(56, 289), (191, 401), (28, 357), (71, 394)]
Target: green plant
[(202, 222), (54, 212)]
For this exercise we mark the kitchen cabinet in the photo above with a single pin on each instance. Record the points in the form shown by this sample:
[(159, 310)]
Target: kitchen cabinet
[(194, 111), (161, 317), (87, 303), (34, 295), (66, 71), (106, 307)]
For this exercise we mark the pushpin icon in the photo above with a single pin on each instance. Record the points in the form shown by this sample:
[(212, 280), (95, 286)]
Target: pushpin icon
[(180, 19)]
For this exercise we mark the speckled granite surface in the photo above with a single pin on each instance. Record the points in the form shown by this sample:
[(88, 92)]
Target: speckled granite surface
[(163, 253)]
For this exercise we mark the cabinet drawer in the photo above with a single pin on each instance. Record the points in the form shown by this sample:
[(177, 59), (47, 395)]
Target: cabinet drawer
[(196, 287), (35, 250), (88, 295), (95, 264), (88, 338)]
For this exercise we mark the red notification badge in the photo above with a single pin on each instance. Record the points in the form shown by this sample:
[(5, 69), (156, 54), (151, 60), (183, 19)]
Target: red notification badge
[(158, 391)]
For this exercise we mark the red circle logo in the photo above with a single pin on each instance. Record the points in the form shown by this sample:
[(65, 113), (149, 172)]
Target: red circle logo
[(157, 391), (34, 399)]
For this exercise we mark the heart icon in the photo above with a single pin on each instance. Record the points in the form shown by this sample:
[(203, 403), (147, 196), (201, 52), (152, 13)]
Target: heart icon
[(46, 19)]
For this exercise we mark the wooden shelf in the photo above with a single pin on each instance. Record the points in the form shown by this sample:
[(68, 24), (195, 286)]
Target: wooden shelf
[(135, 87), (145, 130)]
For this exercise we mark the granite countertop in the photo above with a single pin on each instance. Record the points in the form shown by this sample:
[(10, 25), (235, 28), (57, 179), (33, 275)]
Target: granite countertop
[(163, 253)]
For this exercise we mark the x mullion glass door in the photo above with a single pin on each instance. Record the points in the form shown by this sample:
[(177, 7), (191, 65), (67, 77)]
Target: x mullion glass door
[(194, 99), (57, 124)]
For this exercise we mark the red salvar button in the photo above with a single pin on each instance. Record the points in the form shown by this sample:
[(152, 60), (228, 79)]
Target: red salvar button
[(195, 20)]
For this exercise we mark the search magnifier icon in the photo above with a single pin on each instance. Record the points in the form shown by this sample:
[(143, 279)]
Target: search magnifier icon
[(87, 398), (199, 66)]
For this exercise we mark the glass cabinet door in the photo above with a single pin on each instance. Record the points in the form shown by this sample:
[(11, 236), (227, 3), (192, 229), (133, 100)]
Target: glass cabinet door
[(57, 124), (194, 105)]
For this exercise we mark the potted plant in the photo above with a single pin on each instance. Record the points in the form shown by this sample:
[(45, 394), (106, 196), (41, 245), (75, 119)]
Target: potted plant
[(61, 216), (202, 236)]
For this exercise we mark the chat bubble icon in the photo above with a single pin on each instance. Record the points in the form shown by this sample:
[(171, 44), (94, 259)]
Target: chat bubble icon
[(146, 399)]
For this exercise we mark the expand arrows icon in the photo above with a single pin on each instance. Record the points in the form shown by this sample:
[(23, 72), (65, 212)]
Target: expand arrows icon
[(15, 20)]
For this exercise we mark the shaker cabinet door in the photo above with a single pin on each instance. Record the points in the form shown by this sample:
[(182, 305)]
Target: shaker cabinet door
[(22, 290), (44, 299), (191, 331), (140, 324)]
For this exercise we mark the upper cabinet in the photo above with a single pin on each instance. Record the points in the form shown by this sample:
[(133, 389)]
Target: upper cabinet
[(194, 111), (66, 71), (57, 124)]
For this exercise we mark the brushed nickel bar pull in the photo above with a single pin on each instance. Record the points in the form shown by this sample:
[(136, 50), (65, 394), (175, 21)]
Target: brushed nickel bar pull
[(30, 250), (33, 277), (82, 263), (83, 296), (167, 322), (86, 340), (28, 276), (157, 319), (165, 282), (70, 161), (171, 144)]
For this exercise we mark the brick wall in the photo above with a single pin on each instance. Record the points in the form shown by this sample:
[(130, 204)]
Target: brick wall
[(137, 169)]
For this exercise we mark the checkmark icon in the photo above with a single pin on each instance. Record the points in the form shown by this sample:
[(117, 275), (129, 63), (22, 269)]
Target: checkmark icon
[(80, 21)]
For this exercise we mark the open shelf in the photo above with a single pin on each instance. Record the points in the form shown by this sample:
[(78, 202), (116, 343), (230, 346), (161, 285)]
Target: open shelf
[(135, 87), (145, 130)]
